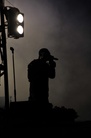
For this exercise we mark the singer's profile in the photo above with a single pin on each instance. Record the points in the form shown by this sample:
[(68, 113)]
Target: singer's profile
[(39, 72)]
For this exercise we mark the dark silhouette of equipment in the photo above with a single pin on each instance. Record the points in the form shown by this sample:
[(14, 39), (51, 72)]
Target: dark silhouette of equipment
[(12, 49), (4, 53), (53, 58), (13, 20)]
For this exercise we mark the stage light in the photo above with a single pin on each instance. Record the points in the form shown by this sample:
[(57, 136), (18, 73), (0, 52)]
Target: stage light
[(20, 29), (15, 21)]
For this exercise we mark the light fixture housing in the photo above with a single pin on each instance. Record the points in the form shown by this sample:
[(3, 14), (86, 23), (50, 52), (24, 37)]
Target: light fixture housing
[(15, 21)]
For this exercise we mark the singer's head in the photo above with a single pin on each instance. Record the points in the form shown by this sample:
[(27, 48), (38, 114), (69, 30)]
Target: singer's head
[(44, 54)]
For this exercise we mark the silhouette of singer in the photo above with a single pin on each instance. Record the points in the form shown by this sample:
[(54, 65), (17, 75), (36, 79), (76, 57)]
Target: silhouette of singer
[(39, 72)]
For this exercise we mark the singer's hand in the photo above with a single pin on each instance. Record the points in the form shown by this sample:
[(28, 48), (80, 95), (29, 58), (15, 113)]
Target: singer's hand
[(52, 63)]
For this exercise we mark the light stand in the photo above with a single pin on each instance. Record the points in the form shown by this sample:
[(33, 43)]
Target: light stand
[(12, 49)]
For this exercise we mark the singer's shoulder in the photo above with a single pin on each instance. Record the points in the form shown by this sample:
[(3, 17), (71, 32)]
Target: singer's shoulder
[(33, 62)]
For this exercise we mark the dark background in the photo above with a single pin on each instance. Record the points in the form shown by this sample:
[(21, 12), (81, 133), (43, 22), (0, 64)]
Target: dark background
[(64, 27)]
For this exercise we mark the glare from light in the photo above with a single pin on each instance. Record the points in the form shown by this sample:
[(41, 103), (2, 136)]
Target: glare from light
[(20, 29), (20, 18)]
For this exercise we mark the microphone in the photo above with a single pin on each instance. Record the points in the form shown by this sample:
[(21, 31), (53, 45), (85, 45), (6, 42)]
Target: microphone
[(12, 49), (53, 58)]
